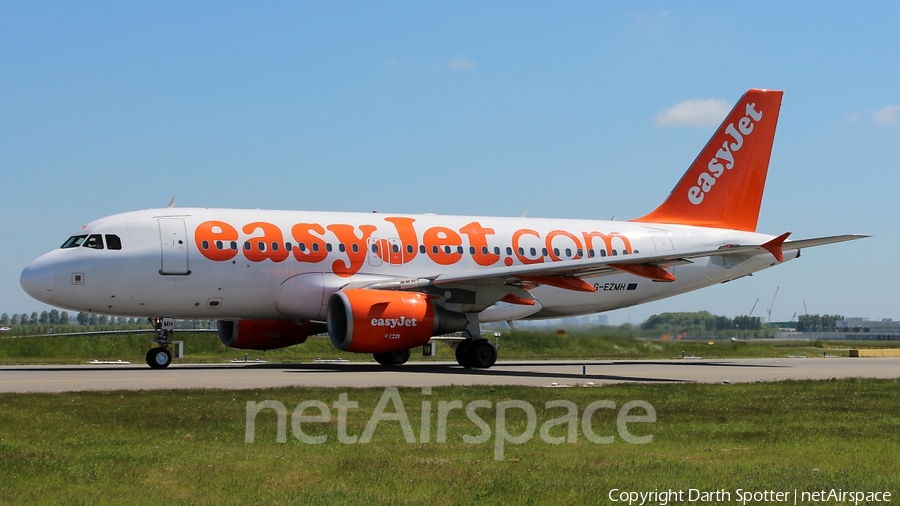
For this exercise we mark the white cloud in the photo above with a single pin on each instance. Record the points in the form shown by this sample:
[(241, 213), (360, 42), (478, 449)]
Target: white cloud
[(889, 115), (695, 112), (460, 63)]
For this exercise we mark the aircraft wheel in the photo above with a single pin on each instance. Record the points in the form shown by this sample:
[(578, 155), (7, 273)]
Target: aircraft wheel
[(159, 358), (482, 354), (392, 358), (463, 356)]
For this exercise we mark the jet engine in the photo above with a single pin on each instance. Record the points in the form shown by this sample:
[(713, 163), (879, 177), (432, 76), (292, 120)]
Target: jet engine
[(376, 321), (265, 334)]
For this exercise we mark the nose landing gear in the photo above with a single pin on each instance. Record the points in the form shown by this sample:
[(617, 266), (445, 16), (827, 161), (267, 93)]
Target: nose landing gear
[(161, 357)]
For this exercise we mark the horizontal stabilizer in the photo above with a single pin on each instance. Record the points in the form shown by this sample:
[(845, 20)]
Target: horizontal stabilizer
[(820, 241)]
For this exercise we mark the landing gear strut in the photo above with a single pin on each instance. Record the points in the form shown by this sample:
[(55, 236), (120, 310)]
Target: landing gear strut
[(475, 352), (161, 357), (398, 357)]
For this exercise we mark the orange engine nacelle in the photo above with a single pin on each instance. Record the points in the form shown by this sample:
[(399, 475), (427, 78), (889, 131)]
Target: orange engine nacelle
[(374, 321), (265, 334)]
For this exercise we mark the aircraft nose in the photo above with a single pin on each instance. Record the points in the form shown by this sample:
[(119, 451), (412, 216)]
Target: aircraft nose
[(37, 279)]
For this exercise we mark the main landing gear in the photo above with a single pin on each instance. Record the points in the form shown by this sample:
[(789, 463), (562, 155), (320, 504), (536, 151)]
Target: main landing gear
[(161, 357), (475, 352)]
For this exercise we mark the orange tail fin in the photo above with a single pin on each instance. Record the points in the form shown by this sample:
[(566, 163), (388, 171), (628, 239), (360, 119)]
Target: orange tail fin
[(723, 188)]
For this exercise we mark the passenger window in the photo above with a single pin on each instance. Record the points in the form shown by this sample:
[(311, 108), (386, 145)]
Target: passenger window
[(496, 250), (74, 241), (247, 245), (533, 252), (261, 245), (603, 252), (355, 248), (328, 247), (234, 245), (342, 248), (219, 245), (471, 250), (484, 250), (434, 250), (447, 249), (409, 249), (555, 251), (422, 249), (374, 247), (288, 246), (395, 248), (94, 241), (204, 244), (615, 253), (113, 242), (315, 246), (591, 253), (568, 252)]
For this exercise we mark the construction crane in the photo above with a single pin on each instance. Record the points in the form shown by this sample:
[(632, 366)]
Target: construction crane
[(769, 311), (752, 308)]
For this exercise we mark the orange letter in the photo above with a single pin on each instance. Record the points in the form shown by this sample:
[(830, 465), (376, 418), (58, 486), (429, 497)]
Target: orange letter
[(553, 234), (476, 234), (438, 240), (355, 248), (515, 244), (270, 245), (313, 247), (407, 235), (607, 240), (214, 239)]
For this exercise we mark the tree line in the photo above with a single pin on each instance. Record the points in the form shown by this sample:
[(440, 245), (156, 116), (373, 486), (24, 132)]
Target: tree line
[(56, 317), (701, 322)]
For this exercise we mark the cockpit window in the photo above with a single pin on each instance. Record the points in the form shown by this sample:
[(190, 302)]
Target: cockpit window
[(94, 241), (74, 241), (113, 242)]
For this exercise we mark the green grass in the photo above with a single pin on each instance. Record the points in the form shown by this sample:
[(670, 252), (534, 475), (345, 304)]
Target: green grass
[(187, 446), (529, 345)]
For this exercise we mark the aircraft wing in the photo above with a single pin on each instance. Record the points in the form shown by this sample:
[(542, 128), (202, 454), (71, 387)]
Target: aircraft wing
[(651, 266)]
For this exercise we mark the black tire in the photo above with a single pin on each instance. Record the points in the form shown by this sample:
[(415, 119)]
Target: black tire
[(482, 354), (159, 358), (463, 357), (392, 358)]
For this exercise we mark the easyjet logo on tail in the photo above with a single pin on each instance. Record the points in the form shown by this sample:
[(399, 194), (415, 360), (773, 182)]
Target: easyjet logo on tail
[(724, 158)]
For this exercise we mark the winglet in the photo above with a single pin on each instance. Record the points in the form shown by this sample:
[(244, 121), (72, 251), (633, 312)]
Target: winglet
[(774, 246), (723, 188)]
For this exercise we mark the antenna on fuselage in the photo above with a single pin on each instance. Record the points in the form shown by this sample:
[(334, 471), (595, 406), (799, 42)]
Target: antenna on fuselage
[(171, 203), (524, 212)]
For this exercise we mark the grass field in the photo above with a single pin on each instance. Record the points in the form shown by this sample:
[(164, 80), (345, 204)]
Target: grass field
[(542, 345), (188, 446)]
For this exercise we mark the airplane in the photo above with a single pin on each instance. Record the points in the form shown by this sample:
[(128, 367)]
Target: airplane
[(385, 283)]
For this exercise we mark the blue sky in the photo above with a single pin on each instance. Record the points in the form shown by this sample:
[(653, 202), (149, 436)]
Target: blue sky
[(455, 108)]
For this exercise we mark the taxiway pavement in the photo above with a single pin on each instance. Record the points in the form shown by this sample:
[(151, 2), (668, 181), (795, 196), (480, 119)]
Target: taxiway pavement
[(418, 374)]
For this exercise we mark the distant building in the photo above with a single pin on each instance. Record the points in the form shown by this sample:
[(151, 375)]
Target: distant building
[(852, 329)]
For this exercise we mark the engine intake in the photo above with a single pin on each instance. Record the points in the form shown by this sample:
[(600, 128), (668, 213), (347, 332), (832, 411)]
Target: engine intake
[(375, 321)]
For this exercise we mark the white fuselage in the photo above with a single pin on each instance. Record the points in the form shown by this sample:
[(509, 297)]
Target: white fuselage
[(222, 263)]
